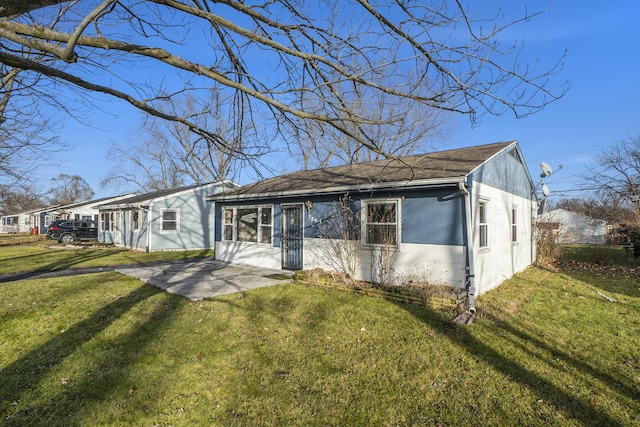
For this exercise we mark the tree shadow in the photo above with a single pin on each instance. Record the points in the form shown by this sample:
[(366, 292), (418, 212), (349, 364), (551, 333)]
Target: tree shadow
[(24, 375), (623, 283), (553, 353), (563, 402)]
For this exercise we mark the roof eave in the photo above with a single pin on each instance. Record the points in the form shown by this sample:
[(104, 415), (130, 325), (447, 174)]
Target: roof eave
[(342, 189)]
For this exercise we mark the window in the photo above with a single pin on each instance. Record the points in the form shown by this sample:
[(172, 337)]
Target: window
[(248, 224), (514, 225), (169, 220), (135, 219), (483, 226), (265, 225), (381, 222), (228, 224)]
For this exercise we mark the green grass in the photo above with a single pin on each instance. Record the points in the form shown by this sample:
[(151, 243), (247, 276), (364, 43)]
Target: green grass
[(41, 255), (598, 254), (105, 349)]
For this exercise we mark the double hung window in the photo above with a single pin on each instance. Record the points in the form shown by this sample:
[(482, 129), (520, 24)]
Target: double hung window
[(170, 219), (483, 225), (381, 222)]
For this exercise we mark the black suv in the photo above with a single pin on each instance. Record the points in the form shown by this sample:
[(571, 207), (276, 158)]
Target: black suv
[(69, 230)]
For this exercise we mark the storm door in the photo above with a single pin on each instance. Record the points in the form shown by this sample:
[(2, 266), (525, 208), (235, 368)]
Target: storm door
[(116, 229), (292, 237)]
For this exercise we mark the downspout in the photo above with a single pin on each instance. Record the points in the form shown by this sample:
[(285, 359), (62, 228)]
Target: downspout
[(471, 287)]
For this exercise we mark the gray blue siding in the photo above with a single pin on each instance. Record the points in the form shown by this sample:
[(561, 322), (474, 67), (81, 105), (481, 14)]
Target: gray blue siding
[(505, 173), (433, 217), (429, 216)]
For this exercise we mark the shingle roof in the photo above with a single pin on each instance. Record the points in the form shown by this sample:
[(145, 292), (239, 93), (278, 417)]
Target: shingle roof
[(440, 165), (147, 197)]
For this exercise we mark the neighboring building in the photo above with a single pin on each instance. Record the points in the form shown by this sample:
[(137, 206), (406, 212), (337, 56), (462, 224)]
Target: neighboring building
[(85, 210), (460, 217), (39, 219), (571, 227), (23, 222), (175, 219)]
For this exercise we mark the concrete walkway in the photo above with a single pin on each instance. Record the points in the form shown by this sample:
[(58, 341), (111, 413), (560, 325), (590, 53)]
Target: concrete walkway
[(206, 278)]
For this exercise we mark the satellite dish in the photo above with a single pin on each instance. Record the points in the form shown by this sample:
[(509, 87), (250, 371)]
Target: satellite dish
[(545, 190), (546, 169)]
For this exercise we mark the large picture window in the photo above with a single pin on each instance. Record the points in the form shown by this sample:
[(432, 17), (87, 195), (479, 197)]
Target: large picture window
[(170, 220), (381, 222), (248, 224)]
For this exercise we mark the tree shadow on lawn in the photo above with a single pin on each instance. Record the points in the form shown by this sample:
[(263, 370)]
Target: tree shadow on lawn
[(621, 283), (68, 262), (585, 413), (553, 354), (23, 376)]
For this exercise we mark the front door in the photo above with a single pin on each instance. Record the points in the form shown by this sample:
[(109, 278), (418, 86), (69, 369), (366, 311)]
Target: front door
[(292, 237)]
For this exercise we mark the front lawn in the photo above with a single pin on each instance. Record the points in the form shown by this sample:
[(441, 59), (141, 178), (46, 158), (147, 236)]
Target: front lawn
[(105, 349), (48, 255)]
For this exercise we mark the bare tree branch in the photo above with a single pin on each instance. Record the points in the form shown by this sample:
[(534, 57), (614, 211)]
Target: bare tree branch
[(287, 61)]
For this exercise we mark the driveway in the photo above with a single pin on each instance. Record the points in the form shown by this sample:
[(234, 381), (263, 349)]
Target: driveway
[(206, 278)]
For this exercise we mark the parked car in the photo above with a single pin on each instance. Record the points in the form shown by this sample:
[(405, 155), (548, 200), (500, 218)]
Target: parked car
[(67, 231)]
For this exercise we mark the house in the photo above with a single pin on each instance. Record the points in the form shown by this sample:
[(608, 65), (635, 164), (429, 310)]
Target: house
[(571, 227), (39, 219), (460, 217), (22, 222), (174, 219), (84, 210)]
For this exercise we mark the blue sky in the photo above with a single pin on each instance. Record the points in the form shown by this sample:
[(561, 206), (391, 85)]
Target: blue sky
[(600, 109)]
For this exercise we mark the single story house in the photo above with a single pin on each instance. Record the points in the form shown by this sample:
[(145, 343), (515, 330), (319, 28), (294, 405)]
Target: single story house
[(22, 222), (26, 222), (571, 227), (461, 217), (174, 219)]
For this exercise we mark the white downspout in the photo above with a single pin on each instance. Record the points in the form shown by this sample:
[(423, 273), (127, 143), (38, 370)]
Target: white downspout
[(471, 286)]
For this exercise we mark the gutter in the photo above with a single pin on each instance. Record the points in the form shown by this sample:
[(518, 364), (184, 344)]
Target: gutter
[(471, 287), (408, 184)]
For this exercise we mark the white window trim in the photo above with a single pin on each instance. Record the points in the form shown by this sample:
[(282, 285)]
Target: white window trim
[(484, 202), (364, 222), (234, 224), (514, 225), (135, 225), (162, 230)]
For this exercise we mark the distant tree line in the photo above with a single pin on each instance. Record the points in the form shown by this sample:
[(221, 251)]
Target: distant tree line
[(62, 190)]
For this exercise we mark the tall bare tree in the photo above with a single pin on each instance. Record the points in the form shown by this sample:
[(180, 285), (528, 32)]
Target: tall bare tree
[(268, 55), (167, 154), (26, 135), (617, 174), (20, 197), (402, 127), (66, 189)]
